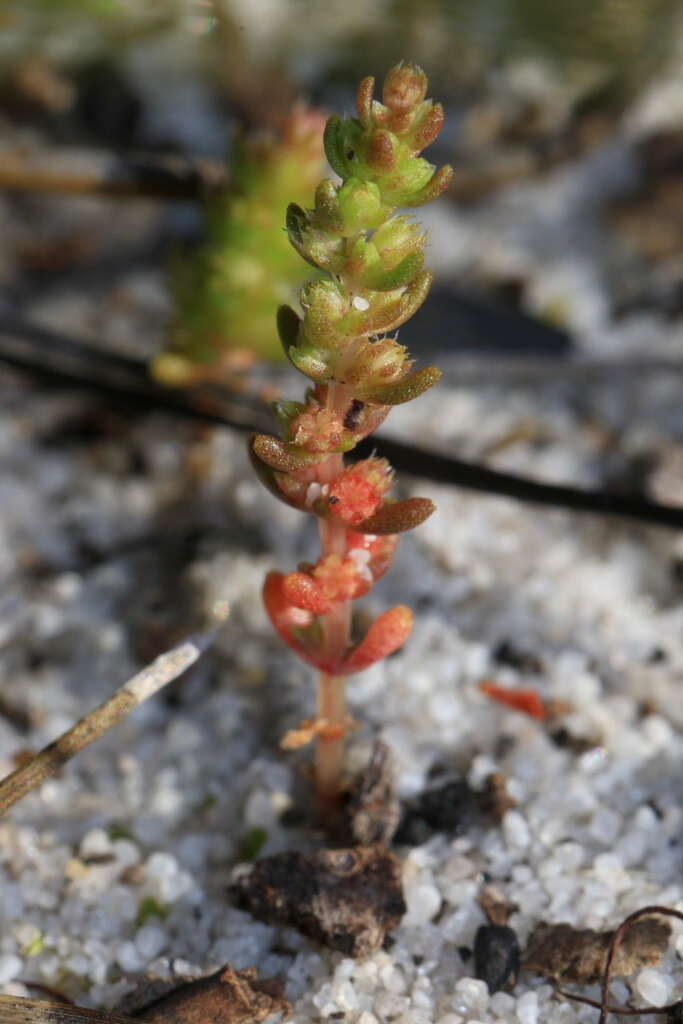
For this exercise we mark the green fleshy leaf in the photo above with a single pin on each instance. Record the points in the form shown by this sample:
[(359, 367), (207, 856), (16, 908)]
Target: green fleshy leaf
[(412, 385), (252, 843), (327, 213), (325, 305), (360, 205), (284, 411), (364, 101), (309, 360), (333, 141), (432, 190), (397, 516), (387, 313), (267, 476), (285, 458), (288, 323), (399, 276), (412, 174), (295, 220)]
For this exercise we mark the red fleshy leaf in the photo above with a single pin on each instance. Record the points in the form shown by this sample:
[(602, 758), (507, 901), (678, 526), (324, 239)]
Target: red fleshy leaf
[(336, 579), (289, 622), (386, 635), (305, 592), (300, 630), (380, 550), (526, 701)]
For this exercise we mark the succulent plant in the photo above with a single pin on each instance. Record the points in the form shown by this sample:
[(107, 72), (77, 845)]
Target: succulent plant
[(370, 261)]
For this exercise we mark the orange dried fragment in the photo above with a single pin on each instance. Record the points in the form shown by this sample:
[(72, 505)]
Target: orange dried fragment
[(307, 731), (526, 701), (312, 728)]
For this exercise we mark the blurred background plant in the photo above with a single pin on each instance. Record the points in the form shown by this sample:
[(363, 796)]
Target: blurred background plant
[(529, 89), (619, 39), (226, 293)]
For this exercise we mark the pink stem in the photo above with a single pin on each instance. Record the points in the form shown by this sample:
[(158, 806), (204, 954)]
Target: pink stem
[(336, 627)]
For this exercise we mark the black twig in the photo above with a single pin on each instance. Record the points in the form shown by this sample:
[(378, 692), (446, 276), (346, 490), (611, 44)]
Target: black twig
[(74, 364), (136, 176)]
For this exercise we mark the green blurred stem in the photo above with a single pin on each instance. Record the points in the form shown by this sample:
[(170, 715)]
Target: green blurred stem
[(336, 628)]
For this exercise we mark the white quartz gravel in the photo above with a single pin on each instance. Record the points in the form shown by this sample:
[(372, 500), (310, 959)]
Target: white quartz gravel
[(121, 864)]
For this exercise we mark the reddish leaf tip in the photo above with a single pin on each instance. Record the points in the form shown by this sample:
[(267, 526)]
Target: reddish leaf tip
[(386, 635), (526, 701)]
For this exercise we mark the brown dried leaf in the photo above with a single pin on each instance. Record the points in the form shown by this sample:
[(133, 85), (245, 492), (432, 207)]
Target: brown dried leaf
[(226, 997)]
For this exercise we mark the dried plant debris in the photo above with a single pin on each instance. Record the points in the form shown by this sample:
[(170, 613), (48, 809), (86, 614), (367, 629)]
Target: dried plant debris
[(495, 797), (373, 808), (454, 808), (496, 956), (348, 899), (494, 904), (564, 954), (226, 997)]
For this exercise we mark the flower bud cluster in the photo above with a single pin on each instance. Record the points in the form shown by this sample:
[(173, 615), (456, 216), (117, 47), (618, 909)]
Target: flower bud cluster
[(372, 279)]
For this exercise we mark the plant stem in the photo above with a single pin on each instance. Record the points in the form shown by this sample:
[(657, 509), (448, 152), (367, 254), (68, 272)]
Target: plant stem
[(329, 752), (336, 627)]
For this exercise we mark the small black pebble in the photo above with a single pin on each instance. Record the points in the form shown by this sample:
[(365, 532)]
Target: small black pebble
[(465, 953), (496, 956)]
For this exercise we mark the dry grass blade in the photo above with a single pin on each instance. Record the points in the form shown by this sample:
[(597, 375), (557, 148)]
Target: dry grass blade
[(16, 1010), (145, 684)]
